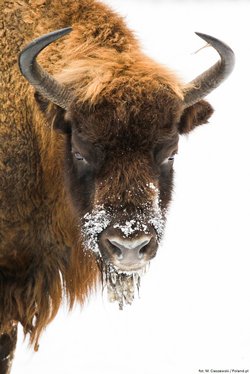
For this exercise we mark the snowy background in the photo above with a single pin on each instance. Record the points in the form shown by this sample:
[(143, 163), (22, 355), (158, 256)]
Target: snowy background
[(194, 308)]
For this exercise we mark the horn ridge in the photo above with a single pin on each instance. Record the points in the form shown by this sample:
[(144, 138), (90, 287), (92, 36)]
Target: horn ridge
[(43, 82), (210, 79)]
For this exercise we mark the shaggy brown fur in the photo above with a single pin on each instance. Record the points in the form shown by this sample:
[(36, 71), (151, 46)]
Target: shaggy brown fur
[(41, 254)]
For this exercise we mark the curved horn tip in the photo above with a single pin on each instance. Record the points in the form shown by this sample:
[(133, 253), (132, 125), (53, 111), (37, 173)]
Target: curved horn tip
[(46, 39), (30, 52), (205, 37), (214, 42), (61, 32), (210, 79), (226, 53), (39, 78), (54, 35)]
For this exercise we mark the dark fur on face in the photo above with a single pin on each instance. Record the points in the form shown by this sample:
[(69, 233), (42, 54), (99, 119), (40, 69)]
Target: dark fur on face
[(119, 153), (112, 150)]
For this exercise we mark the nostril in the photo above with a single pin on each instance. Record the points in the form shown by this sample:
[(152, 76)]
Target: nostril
[(144, 248), (114, 247), (130, 250)]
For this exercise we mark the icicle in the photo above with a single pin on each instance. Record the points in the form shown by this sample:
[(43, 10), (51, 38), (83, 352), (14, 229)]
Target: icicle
[(121, 287)]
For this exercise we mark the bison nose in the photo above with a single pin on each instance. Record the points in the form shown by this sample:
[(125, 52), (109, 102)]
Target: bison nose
[(131, 250), (128, 254)]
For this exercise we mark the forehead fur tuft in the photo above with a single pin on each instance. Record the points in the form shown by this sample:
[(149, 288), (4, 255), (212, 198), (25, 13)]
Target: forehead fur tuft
[(106, 73)]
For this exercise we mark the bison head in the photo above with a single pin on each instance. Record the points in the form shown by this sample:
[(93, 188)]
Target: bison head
[(120, 150)]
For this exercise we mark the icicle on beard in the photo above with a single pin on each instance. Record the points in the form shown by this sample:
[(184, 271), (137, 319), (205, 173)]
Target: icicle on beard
[(121, 286)]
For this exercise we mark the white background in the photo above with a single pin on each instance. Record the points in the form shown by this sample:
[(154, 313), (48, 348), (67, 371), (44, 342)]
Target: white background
[(194, 309)]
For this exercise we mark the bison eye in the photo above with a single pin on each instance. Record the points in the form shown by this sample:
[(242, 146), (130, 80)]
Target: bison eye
[(167, 160), (79, 157)]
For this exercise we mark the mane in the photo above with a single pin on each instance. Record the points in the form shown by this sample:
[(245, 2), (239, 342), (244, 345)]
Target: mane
[(34, 295)]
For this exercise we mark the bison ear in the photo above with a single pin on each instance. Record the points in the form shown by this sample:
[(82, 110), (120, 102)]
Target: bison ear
[(54, 114), (195, 115)]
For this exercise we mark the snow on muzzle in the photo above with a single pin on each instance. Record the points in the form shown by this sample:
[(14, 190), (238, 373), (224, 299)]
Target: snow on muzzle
[(127, 242), (124, 247)]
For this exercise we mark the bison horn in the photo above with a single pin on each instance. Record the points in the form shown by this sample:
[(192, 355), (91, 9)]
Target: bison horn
[(43, 82), (210, 79)]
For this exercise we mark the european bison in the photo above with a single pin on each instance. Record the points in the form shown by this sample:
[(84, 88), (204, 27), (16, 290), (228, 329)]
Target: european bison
[(88, 138)]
